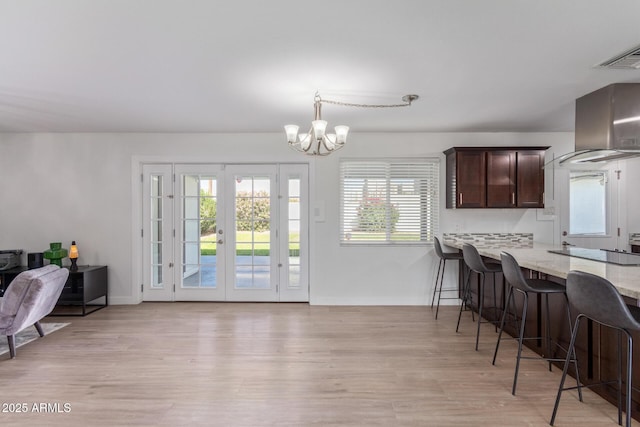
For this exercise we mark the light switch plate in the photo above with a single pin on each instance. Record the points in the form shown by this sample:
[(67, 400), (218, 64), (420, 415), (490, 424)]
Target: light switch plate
[(318, 211)]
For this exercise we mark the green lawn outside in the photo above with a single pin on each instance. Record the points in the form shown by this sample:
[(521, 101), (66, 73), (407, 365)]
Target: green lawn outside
[(243, 244)]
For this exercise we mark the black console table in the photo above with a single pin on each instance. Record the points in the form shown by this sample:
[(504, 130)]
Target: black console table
[(82, 291)]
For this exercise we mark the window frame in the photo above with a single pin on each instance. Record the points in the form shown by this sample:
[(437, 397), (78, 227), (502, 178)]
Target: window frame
[(607, 212), (428, 205)]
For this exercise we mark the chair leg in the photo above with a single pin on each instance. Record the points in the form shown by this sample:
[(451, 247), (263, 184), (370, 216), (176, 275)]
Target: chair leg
[(469, 303), (480, 305), (12, 345), (435, 288), (444, 266), (548, 330), (574, 356), (620, 378), (520, 339), (495, 300), (504, 316), (466, 297), (629, 372), (570, 351), (39, 328)]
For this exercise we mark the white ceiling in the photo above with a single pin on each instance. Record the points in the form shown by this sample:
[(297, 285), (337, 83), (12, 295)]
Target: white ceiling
[(253, 66)]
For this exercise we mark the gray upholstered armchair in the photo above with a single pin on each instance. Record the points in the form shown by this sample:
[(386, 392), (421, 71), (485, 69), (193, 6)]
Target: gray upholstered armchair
[(28, 298)]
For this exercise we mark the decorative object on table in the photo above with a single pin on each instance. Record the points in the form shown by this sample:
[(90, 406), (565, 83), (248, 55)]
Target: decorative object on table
[(35, 260), (318, 143), (55, 253), (10, 258), (73, 256)]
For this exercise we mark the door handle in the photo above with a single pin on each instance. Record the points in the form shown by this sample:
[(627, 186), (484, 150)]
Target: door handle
[(220, 242)]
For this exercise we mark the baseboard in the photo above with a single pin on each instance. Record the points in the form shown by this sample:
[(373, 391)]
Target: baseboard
[(366, 301), (124, 300)]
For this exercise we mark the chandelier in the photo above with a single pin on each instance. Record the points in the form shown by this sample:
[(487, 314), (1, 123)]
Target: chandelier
[(317, 142)]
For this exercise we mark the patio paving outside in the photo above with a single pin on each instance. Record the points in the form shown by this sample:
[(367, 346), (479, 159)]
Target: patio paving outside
[(248, 276)]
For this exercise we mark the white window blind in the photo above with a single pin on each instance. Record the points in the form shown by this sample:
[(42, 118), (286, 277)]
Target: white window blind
[(389, 201)]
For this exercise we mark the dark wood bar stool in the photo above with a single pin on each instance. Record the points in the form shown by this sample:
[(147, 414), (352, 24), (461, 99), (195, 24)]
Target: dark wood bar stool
[(474, 262), (518, 283), (595, 298), (438, 289)]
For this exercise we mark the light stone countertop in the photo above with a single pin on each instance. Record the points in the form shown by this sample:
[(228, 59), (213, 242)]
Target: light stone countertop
[(536, 257)]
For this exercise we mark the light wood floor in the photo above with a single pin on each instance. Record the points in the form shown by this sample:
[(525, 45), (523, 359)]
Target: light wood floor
[(236, 364)]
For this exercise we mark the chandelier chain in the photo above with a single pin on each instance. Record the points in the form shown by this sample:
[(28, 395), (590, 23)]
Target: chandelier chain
[(350, 104), (408, 99)]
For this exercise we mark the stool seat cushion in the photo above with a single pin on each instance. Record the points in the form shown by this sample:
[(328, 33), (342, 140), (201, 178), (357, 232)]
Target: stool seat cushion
[(493, 267), (452, 255), (545, 286)]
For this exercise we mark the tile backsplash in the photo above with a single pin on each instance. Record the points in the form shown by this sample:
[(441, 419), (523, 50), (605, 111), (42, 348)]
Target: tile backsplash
[(491, 237)]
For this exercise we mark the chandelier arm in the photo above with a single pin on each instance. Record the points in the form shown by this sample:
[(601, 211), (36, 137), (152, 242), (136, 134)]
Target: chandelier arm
[(336, 145)]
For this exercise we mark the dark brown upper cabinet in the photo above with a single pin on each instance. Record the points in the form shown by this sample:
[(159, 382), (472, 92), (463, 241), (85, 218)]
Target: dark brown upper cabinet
[(495, 177)]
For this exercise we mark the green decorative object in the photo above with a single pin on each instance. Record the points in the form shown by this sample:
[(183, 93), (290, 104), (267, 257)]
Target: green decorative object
[(55, 253)]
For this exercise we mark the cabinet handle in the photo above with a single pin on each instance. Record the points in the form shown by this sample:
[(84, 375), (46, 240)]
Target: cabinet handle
[(460, 198), (513, 198)]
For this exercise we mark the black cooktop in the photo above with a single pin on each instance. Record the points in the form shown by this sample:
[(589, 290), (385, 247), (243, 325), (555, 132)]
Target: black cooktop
[(602, 255)]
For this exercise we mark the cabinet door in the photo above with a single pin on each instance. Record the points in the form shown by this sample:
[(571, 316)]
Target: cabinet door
[(471, 179), (530, 187), (501, 179)]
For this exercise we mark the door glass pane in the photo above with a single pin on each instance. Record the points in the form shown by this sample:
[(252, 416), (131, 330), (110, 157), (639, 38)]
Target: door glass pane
[(156, 276), (156, 230), (156, 224), (253, 236), (293, 231), (587, 203), (199, 219), (191, 230), (156, 208), (294, 276), (156, 253), (156, 186)]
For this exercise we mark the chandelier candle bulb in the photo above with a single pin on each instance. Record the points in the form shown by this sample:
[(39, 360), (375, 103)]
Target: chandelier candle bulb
[(341, 134), (319, 128), (292, 132)]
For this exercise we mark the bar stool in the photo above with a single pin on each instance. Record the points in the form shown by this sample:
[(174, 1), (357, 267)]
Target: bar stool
[(444, 257), (597, 299), (518, 283), (475, 264)]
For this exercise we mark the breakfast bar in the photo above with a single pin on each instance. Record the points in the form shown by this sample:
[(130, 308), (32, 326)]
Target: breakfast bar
[(596, 346), (536, 257)]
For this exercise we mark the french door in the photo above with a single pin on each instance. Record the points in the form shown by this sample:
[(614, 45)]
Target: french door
[(215, 232)]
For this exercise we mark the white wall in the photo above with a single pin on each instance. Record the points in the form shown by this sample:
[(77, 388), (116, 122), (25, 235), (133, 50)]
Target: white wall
[(63, 187)]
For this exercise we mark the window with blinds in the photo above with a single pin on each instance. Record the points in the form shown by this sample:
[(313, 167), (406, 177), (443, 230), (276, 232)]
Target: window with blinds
[(389, 201)]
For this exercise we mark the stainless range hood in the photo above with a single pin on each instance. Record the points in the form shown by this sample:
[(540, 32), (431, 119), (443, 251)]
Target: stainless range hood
[(607, 124)]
